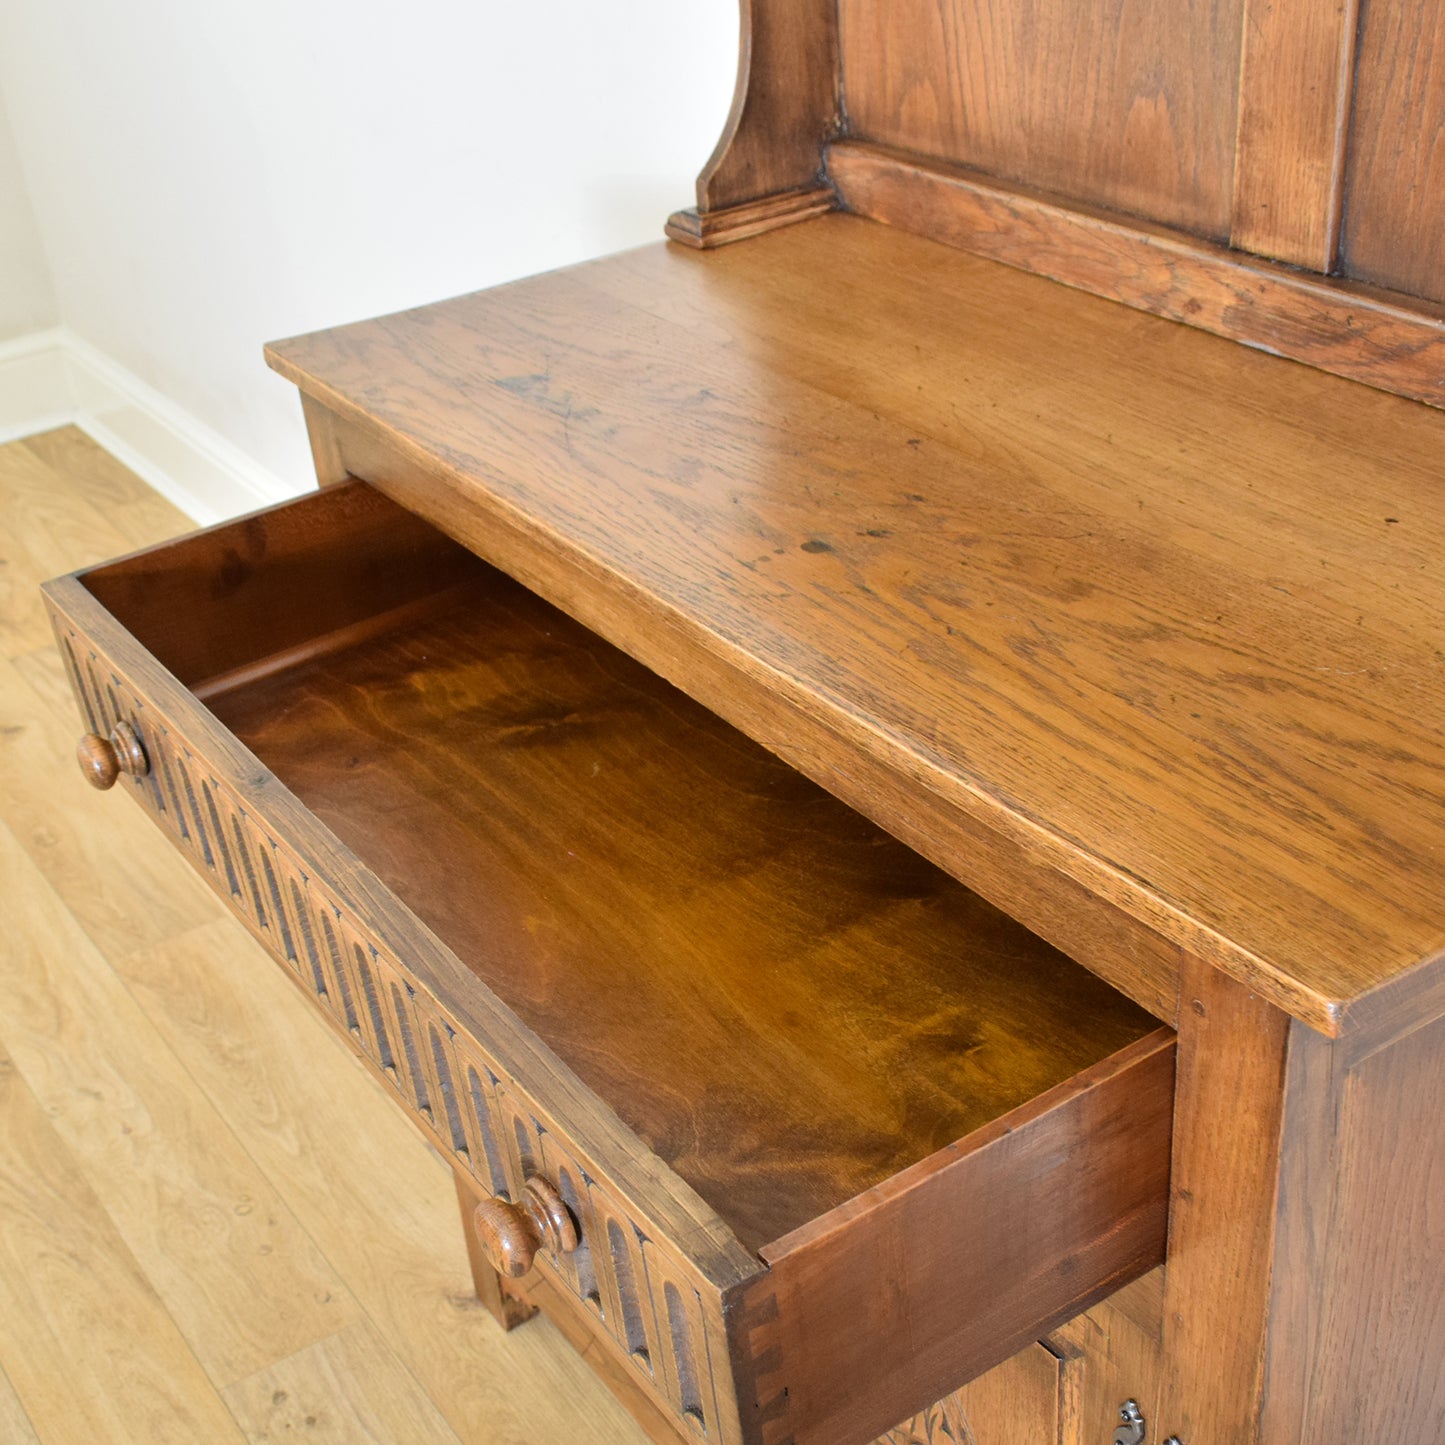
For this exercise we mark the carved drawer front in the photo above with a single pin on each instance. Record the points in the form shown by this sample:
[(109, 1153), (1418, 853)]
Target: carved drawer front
[(811, 1135)]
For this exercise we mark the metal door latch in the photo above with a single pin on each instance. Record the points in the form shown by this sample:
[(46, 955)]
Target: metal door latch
[(1134, 1431), (1131, 1432)]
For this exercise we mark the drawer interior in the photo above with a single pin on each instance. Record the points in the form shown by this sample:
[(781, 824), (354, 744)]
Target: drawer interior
[(786, 1004)]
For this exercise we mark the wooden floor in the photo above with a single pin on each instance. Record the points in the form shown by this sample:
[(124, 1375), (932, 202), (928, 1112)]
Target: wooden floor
[(214, 1226)]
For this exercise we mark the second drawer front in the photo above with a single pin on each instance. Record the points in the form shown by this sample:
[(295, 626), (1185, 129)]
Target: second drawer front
[(650, 1299)]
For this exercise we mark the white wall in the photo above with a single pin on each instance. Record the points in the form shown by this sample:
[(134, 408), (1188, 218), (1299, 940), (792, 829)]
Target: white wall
[(27, 299), (208, 176)]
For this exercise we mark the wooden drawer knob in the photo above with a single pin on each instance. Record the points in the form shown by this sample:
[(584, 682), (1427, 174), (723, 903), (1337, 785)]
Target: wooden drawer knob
[(511, 1234), (103, 760)]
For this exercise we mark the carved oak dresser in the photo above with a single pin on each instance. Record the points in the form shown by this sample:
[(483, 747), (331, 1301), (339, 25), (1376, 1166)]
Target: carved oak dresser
[(880, 799)]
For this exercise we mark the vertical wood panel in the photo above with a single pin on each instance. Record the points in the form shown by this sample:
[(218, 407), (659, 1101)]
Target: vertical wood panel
[(1228, 1118), (1395, 186), (1358, 1325), (1113, 1352), (1293, 111), (1307, 1198), (321, 433), (1127, 104)]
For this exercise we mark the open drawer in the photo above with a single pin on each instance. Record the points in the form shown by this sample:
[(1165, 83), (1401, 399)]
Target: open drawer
[(814, 1133)]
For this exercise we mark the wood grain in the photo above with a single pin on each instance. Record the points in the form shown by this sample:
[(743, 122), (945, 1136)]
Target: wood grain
[(1385, 339), (76, 846), (506, 1307), (347, 1389), (1006, 870), (1396, 180), (1295, 87), (1112, 1353), (687, 1247), (1392, 1012), (63, 502), (48, 529), (99, 761), (291, 587), (1305, 1237), (1130, 106), (324, 454), (833, 487), (43, 672), (536, 797), (572, 1321)]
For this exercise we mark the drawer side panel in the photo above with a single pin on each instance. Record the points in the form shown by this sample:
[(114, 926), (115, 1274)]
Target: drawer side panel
[(957, 1264)]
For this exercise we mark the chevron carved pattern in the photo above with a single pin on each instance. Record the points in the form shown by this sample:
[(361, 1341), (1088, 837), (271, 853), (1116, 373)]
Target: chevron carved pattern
[(943, 1423)]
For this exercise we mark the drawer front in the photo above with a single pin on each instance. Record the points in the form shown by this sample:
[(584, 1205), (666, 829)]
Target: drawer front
[(661, 1310), (632, 1287)]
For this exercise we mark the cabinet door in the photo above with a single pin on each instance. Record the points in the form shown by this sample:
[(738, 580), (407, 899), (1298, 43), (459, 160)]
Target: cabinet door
[(1112, 1353), (1015, 1403), (1067, 1392)]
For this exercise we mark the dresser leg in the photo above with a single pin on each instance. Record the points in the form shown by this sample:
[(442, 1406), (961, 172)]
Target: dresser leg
[(325, 450), (507, 1309)]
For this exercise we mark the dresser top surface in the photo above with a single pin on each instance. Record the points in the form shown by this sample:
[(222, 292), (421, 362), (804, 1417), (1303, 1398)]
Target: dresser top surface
[(1164, 610)]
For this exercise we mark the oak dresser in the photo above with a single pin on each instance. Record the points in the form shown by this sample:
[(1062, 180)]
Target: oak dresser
[(880, 799)]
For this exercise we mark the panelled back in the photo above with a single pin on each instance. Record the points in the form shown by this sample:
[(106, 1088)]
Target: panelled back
[(1126, 104), (1270, 170), (1395, 179)]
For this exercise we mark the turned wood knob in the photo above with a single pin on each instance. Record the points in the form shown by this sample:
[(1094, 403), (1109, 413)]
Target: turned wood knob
[(511, 1234), (103, 760)]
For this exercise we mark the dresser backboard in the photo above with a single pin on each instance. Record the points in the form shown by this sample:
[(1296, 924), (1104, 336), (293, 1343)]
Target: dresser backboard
[(1272, 170)]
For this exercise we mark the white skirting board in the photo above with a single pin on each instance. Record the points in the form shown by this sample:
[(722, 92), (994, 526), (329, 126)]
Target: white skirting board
[(53, 377), (34, 388)]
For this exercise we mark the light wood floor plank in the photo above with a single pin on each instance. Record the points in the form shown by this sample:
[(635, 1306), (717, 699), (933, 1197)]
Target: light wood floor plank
[(89, 1348), (15, 1426), (377, 1200), (48, 528), (44, 673), (97, 851), (244, 1283), (137, 511), (347, 1390)]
